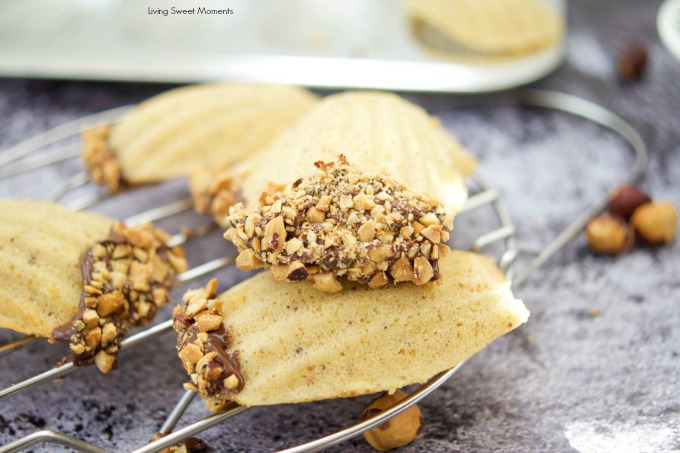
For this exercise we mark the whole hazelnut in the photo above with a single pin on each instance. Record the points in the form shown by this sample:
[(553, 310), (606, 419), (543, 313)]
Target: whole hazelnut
[(625, 199), (632, 62), (397, 431), (609, 234), (655, 223)]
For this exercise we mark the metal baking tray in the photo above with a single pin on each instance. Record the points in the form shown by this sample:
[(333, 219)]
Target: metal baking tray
[(320, 43)]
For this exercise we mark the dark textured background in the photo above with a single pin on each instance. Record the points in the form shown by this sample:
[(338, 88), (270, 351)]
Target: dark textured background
[(565, 381)]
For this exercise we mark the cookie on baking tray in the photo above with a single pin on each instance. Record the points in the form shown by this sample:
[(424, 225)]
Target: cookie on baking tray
[(263, 342), (177, 132), (508, 27), (81, 278), (365, 187)]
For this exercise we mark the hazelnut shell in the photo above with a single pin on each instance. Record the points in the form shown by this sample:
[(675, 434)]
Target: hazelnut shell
[(624, 200), (608, 234), (397, 431), (655, 223), (632, 62)]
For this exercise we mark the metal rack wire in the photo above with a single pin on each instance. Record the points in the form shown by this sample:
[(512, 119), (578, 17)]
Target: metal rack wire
[(482, 195)]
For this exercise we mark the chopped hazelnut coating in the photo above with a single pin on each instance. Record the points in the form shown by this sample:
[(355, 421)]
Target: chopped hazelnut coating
[(214, 191), (100, 160), (202, 342), (126, 278), (190, 445), (366, 228)]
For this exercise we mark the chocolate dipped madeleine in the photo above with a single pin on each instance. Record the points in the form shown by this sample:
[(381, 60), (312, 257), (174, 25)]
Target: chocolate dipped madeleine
[(365, 187), (262, 342), (188, 129), (81, 278)]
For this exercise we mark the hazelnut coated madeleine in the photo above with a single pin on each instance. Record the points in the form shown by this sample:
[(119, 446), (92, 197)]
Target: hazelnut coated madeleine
[(81, 278), (262, 342), (188, 128), (364, 187)]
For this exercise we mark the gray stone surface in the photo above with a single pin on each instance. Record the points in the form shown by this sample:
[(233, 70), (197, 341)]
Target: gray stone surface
[(566, 381)]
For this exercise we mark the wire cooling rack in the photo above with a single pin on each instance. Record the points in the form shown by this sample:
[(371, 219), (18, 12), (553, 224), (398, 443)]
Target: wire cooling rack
[(18, 160)]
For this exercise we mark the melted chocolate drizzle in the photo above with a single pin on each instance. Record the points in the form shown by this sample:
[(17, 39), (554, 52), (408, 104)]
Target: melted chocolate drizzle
[(218, 343), (63, 333), (122, 319)]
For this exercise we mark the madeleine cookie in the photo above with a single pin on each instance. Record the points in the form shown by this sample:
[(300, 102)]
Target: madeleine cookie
[(80, 278), (263, 343), (377, 132), (364, 187), (491, 26), (183, 130)]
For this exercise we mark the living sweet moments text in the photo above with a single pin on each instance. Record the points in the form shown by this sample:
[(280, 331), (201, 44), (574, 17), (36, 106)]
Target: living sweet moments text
[(197, 11)]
